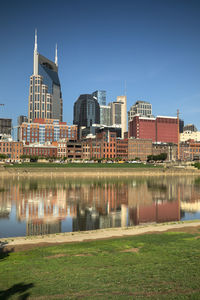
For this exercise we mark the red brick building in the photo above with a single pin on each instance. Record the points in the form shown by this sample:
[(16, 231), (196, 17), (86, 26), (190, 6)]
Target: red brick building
[(167, 129), (143, 128), (13, 150), (160, 129), (122, 148), (40, 150), (47, 130), (139, 148)]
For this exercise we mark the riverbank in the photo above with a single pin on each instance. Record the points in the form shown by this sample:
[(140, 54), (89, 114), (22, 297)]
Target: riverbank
[(74, 172), (147, 266), (29, 242)]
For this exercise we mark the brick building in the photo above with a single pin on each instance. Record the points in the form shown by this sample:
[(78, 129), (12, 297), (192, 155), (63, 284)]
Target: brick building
[(13, 150), (74, 150), (190, 150), (139, 148), (168, 148), (167, 129), (46, 130), (40, 150), (160, 129), (122, 148)]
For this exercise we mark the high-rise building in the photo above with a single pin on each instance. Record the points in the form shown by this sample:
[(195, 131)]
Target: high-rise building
[(105, 115), (45, 98), (86, 111), (5, 126), (20, 120), (100, 97), (115, 112), (123, 101), (141, 108)]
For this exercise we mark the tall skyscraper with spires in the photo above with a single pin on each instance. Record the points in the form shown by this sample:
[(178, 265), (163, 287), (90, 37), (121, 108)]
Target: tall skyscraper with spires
[(45, 98)]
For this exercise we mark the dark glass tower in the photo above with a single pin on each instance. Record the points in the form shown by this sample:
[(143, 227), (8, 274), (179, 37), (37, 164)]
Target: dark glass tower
[(86, 111)]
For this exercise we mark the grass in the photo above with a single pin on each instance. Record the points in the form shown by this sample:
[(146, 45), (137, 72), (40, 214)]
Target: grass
[(81, 165), (153, 266)]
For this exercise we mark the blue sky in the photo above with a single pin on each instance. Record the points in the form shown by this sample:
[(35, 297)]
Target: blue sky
[(153, 45)]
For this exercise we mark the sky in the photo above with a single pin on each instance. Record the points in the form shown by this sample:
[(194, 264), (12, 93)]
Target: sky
[(149, 49)]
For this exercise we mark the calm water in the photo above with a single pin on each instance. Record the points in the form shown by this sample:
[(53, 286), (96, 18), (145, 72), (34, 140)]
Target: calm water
[(35, 206)]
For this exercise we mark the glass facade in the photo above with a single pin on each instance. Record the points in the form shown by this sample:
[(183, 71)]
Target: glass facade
[(86, 111), (105, 115), (100, 97)]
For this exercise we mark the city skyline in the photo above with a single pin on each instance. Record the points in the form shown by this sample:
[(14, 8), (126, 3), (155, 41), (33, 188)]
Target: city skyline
[(151, 45)]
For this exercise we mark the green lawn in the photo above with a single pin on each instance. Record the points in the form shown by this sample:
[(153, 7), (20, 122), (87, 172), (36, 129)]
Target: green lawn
[(81, 165), (152, 266)]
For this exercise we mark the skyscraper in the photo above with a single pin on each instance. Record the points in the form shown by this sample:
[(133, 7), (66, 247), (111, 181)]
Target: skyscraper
[(45, 98), (86, 111), (100, 97), (123, 101)]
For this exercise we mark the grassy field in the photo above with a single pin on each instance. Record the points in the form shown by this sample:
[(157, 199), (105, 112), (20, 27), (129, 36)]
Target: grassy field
[(81, 165), (152, 266)]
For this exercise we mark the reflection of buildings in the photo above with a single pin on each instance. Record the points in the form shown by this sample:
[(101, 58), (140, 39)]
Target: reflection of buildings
[(190, 207), (39, 228), (45, 205)]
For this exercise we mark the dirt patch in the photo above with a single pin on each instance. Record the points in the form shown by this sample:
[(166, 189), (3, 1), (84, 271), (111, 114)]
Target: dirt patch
[(82, 254), (62, 255), (56, 255), (134, 250)]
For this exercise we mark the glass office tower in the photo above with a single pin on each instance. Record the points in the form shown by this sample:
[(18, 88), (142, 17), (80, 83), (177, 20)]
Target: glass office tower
[(45, 98), (100, 97)]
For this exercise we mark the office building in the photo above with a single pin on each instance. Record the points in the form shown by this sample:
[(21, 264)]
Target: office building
[(45, 98), (190, 135), (189, 127), (160, 129), (123, 101), (100, 97), (86, 111), (5, 126), (115, 112), (105, 115), (141, 108), (47, 130), (118, 111)]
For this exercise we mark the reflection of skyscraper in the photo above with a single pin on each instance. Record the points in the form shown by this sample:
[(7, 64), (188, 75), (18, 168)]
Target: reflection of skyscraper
[(40, 228), (85, 220), (45, 99)]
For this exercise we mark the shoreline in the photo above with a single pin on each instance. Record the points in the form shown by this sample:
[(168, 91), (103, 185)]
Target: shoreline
[(97, 172), (30, 242)]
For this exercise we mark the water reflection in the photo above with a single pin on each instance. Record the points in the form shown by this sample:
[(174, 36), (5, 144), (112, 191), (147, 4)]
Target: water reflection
[(35, 207)]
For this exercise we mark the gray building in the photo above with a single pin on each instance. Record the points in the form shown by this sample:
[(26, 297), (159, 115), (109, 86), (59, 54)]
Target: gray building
[(5, 126), (86, 111), (22, 119), (142, 108), (105, 115), (45, 98), (189, 127)]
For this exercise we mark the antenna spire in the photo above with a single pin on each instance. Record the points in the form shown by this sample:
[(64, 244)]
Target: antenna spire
[(35, 49), (56, 55)]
